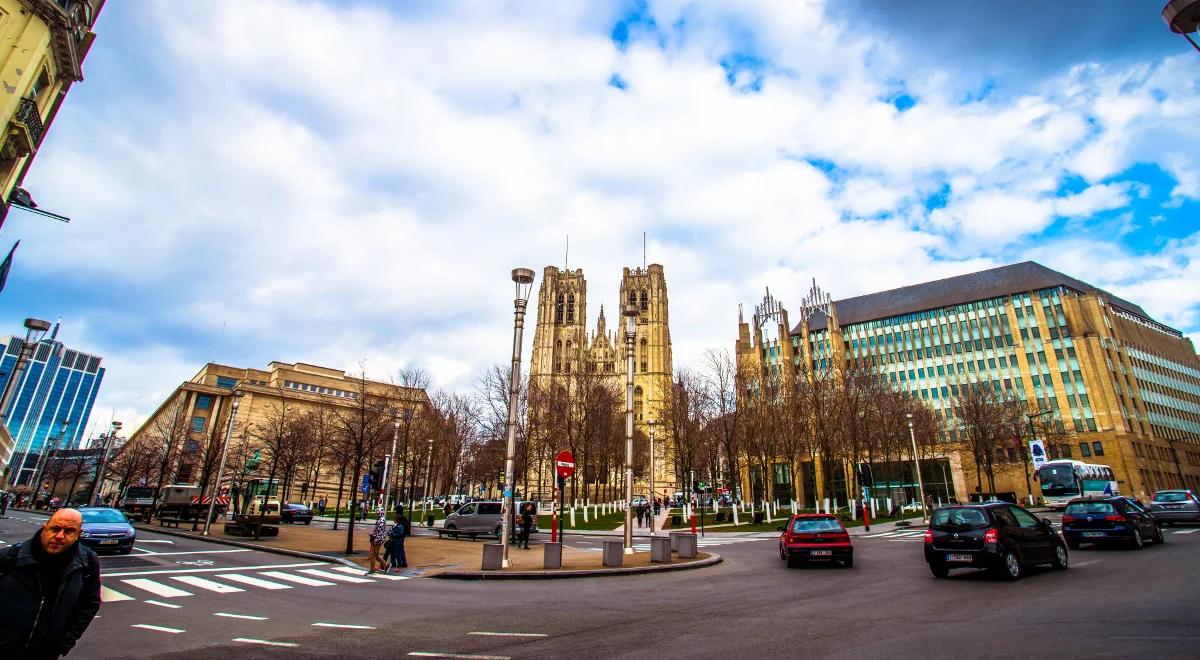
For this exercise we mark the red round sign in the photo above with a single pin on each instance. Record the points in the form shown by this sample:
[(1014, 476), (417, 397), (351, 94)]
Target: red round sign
[(564, 464)]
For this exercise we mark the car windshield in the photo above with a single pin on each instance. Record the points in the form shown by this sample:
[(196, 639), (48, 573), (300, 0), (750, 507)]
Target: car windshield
[(102, 516), (813, 525), (960, 518), (1171, 496), (1084, 508)]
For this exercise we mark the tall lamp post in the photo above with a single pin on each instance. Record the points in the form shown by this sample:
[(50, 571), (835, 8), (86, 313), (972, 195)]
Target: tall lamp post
[(630, 313), (523, 279), (650, 426), (1029, 417), (917, 466), (35, 329), (98, 484), (391, 461), (428, 476), (1183, 17), (233, 408)]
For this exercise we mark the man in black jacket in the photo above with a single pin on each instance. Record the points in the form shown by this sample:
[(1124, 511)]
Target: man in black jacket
[(49, 590)]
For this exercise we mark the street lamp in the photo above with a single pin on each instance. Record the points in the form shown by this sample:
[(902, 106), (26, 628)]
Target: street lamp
[(35, 329), (233, 408), (1183, 17), (98, 484), (523, 279), (388, 470), (650, 425), (630, 312), (1029, 417), (917, 466), (428, 474)]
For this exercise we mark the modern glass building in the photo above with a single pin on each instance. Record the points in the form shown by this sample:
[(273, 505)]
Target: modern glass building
[(53, 399)]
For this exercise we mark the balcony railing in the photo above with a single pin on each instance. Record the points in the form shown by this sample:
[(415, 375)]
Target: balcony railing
[(29, 115)]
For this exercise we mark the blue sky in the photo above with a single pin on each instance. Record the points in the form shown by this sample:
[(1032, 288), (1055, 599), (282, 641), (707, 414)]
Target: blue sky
[(353, 185)]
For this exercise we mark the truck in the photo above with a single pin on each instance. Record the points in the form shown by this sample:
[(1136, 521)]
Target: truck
[(186, 502), (137, 501)]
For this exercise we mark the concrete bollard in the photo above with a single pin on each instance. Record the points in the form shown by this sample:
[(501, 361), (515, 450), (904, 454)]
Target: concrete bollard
[(552, 555), (660, 549), (493, 556), (614, 551), (686, 545)]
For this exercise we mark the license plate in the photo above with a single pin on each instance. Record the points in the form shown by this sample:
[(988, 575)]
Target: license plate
[(1093, 534), (821, 553), (958, 557), (108, 541)]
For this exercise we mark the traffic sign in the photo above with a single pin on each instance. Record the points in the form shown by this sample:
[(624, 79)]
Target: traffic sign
[(564, 464)]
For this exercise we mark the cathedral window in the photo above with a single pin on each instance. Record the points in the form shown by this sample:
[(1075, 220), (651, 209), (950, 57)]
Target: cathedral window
[(637, 402), (633, 297), (642, 354), (558, 352), (571, 308), (645, 301), (558, 309)]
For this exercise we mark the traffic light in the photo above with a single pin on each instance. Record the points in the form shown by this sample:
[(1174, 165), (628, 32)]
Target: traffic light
[(376, 475), (865, 477)]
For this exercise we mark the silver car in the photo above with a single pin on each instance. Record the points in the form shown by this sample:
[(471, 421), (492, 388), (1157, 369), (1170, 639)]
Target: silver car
[(1175, 506), (477, 518)]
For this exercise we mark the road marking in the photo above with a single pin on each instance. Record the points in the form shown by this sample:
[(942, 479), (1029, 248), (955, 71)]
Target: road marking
[(316, 572), (166, 591), (111, 596), (1186, 531), (428, 654), (202, 552), (902, 540), (1161, 638), (298, 579), (358, 572), (352, 626), (230, 615), (162, 604), (202, 583), (248, 640), (1086, 563), (146, 626), (507, 634), (209, 570), (155, 541), (253, 581)]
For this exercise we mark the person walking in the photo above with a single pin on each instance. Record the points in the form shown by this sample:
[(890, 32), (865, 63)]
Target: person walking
[(526, 524), (378, 536), (50, 587), (396, 536)]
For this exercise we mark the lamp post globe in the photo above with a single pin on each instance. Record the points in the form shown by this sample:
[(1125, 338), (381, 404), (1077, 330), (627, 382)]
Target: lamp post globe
[(1183, 17)]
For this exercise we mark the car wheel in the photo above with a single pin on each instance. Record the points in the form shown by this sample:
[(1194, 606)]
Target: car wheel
[(1138, 543), (308, 522), (939, 570), (848, 562), (453, 534), (782, 554), (1060, 557), (1011, 567), (1159, 539)]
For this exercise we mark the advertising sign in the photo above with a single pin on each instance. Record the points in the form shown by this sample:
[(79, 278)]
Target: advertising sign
[(1037, 451)]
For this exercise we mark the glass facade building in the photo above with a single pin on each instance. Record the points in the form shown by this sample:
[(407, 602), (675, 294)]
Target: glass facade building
[(53, 399)]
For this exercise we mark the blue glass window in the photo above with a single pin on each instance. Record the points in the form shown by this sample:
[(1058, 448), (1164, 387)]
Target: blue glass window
[(198, 424), (203, 402), (226, 381)]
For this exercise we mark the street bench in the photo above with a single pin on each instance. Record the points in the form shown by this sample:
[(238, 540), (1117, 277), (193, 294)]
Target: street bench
[(255, 529), (171, 522)]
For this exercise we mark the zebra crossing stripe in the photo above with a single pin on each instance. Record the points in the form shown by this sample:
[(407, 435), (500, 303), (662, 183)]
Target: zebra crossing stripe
[(316, 572), (253, 581), (354, 571), (1186, 531), (162, 590), (298, 579), (112, 596), (206, 584)]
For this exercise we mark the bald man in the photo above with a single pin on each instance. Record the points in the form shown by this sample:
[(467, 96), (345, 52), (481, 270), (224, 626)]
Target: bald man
[(49, 590)]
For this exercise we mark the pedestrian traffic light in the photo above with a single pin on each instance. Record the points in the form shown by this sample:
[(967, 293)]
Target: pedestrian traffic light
[(376, 475)]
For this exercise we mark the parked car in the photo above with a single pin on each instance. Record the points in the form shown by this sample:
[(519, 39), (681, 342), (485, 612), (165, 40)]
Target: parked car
[(1172, 506), (819, 537), (294, 513), (475, 518), (999, 536), (106, 529), (1107, 520)]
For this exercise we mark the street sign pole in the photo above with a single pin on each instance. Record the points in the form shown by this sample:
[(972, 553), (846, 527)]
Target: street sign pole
[(564, 466)]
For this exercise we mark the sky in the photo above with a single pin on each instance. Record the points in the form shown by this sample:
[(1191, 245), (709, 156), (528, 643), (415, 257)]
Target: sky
[(350, 183)]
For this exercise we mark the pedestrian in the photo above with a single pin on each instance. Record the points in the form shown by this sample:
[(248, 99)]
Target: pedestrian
[(396, 536), (526, 524), (657, 506), (641, 516), (377, 537), (50, 587), (321, 505), (4, 495)]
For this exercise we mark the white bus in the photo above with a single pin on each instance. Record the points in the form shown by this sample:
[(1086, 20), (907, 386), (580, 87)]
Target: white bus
[(1062, 480)]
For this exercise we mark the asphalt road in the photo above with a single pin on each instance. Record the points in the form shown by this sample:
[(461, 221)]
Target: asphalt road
[(1111, 602)]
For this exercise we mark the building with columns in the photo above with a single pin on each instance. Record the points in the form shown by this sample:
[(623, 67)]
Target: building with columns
[(1122, 388)]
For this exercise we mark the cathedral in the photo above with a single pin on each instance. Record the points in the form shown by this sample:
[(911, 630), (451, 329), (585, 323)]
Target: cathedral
[(562, 345)]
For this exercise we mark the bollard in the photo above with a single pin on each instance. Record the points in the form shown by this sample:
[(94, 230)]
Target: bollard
[(660, 549), (493, 556), (614, 551), (552, 555), (686, 545)]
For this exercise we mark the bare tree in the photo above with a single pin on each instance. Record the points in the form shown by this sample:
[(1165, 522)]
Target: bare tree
[(364, 424)]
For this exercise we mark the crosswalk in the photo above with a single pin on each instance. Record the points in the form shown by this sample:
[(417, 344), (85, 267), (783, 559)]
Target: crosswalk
[(182, 586), (906, 534), (703, 542)]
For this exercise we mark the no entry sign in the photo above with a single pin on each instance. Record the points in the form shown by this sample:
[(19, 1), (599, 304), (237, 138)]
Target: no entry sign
[(564, 464)]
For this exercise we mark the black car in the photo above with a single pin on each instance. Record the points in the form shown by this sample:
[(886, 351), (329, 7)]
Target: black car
[(106, 529), (294, 513), (999, 536), (1108, 520)]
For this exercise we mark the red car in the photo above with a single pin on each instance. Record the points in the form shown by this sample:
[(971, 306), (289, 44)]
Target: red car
[(815, 536)]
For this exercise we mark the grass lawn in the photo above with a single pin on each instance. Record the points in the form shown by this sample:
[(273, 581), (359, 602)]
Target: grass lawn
[(776, 522)]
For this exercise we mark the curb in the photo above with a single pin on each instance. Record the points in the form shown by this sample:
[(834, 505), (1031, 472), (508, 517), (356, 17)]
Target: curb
[(576, 573), (251, 546)]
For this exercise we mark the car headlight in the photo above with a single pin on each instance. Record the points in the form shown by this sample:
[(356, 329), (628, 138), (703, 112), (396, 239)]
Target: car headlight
[(85, 534)]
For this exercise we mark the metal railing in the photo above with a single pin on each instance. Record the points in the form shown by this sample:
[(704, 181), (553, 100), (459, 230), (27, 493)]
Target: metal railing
[(28, 114)]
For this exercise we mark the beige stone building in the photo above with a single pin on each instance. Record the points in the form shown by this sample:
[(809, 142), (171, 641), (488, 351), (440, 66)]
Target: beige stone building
[(562, 346), (1123, 389), (196, 414)]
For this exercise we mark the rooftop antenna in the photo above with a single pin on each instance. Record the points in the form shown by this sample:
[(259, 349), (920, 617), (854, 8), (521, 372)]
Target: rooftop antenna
[(567, 255), (643, 250), (54, 333)]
